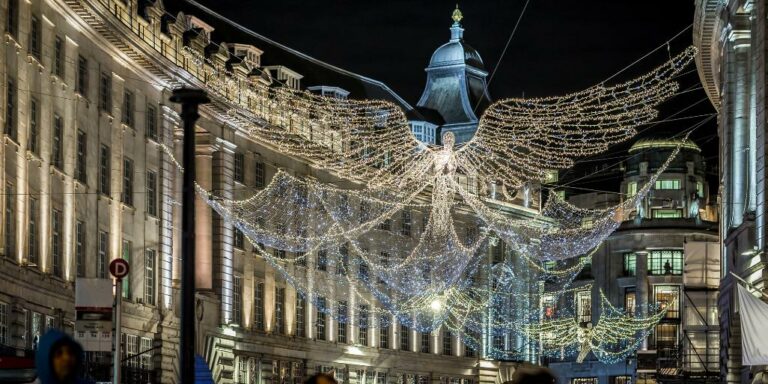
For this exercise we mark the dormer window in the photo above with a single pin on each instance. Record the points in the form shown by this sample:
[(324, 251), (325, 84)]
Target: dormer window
[(194, 22), (290, 78), (250, 54), (328, 91)]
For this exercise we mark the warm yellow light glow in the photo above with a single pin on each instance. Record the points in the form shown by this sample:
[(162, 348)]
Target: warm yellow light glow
[(436, 305)]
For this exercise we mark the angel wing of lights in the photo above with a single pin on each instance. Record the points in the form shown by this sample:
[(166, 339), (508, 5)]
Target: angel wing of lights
[(519, 140), (423, 276), (614, 335)]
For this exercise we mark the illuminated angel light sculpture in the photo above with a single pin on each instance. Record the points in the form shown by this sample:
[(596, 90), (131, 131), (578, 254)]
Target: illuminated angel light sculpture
[(613, 335), (370, 144)]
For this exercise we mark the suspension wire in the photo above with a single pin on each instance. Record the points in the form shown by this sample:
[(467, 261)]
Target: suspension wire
[(503, 52)]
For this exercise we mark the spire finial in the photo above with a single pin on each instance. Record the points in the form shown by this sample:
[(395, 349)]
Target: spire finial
[(457, 16)]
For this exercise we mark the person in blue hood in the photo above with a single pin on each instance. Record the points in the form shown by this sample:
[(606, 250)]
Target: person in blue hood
[(59, 359)]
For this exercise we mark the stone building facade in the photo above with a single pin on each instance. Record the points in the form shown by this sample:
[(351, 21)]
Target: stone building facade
[(664, 255), (730, 36), (88, 178)]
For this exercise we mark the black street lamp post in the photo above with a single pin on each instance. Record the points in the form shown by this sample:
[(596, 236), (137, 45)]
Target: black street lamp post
[(189, 100)]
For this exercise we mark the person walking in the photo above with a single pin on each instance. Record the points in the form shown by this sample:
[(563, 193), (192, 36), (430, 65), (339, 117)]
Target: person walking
[(59, 359)]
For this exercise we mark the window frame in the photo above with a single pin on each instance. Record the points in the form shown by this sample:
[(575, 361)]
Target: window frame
[(81, 148), (59, 54), (81, 85), (150, 274), (341, 323), (237, 299), (128, 178), (151, 193), (57, 242), (128, 109), (11, 108), (150, 130), (583, 303), (674, 290), (102, 255), (629, 260), (9, 222), (33, 141), (12, 19), (105, 161), (657, 259), (667, 184), (260, 175), (33, 251), (238, 168), (105, 93), (57, 142), (80, 248)]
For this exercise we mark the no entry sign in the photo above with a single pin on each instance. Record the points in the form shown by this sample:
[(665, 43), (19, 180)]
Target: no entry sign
[(119, 268)]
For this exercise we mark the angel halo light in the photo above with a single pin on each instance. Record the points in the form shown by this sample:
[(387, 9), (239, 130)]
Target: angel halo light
[(472, 266)]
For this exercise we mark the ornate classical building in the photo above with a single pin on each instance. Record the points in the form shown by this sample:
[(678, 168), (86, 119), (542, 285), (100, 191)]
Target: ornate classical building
[(87, 178), (667, 255), (731, 37)]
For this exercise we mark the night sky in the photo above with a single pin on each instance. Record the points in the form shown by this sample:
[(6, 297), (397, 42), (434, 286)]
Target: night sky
[(560, 46)]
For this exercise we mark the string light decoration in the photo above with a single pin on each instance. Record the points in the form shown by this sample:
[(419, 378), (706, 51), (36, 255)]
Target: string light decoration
[(613, 336), (438, 274), (517, 140)]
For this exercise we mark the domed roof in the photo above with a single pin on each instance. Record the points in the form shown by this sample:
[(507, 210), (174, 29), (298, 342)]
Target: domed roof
[(456, 52)]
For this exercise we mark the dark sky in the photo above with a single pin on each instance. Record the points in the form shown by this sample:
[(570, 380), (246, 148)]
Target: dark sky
[(560, 46)]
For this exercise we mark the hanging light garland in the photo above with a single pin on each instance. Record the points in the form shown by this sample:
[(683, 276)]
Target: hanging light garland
[(438, 275)]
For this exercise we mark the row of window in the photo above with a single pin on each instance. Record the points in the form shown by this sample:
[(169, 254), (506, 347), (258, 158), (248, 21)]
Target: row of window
[(666, 297), (660, 262), (273, 371), (56, 215), (594, 380), (136, 351), (57, 151), (102, 263), (56, 241), (342, 313), (33, 326), (664, 184), (259, 175), (128, 110), (424, 133)]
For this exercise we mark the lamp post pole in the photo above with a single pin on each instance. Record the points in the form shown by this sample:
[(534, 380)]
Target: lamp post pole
[(118, 331), (189, 100)]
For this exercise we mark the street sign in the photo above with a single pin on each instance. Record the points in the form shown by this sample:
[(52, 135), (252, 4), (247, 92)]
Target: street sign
[(119, 268), (93, 306)]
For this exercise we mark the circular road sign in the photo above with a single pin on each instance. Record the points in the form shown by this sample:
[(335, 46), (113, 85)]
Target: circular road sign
[(119, 268)]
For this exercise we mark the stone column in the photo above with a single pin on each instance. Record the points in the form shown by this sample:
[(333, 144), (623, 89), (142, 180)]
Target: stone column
[(641, 287), (223, 234), (738, 56), (178, 145), (290, 310), (203, 213), (168, 175), (269, 299), (309, 304), (758, 126), (249, 286)]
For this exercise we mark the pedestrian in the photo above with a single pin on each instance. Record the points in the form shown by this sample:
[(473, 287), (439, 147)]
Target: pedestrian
[(321, 378), (59, 359), (536, 375)]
